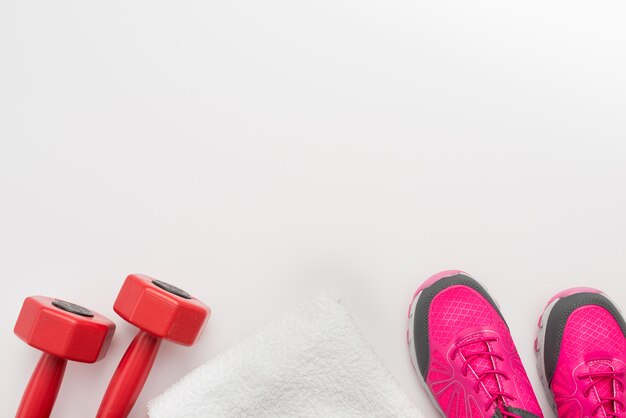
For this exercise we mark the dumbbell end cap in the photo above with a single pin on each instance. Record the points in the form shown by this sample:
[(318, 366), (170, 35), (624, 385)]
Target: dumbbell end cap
[(161, 309), (64, 329)]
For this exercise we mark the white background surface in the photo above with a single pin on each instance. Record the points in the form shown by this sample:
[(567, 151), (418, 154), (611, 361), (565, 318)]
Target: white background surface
[(254, 152)]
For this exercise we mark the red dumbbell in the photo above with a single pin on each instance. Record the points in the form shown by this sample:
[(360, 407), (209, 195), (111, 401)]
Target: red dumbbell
[(160, 311), (63, 331)]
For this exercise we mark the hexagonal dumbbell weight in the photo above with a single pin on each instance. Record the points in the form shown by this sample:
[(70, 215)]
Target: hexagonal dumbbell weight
[(63, 331), (160, 311)]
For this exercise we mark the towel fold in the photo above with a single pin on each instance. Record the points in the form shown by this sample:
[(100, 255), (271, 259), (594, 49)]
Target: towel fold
[(312, 362)]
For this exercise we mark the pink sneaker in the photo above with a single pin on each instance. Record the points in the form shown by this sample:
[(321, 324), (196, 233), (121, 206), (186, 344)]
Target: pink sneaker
[(581, 354), (463, 352)]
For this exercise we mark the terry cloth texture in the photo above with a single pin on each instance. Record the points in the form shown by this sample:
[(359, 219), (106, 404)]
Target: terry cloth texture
[(312, 362)]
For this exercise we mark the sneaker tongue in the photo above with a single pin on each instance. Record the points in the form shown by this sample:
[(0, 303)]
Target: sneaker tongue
[(518, 412), (604, 388), (480, 364)]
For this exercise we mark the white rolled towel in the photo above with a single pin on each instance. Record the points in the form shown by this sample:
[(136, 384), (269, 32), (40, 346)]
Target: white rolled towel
[(312, 362)]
